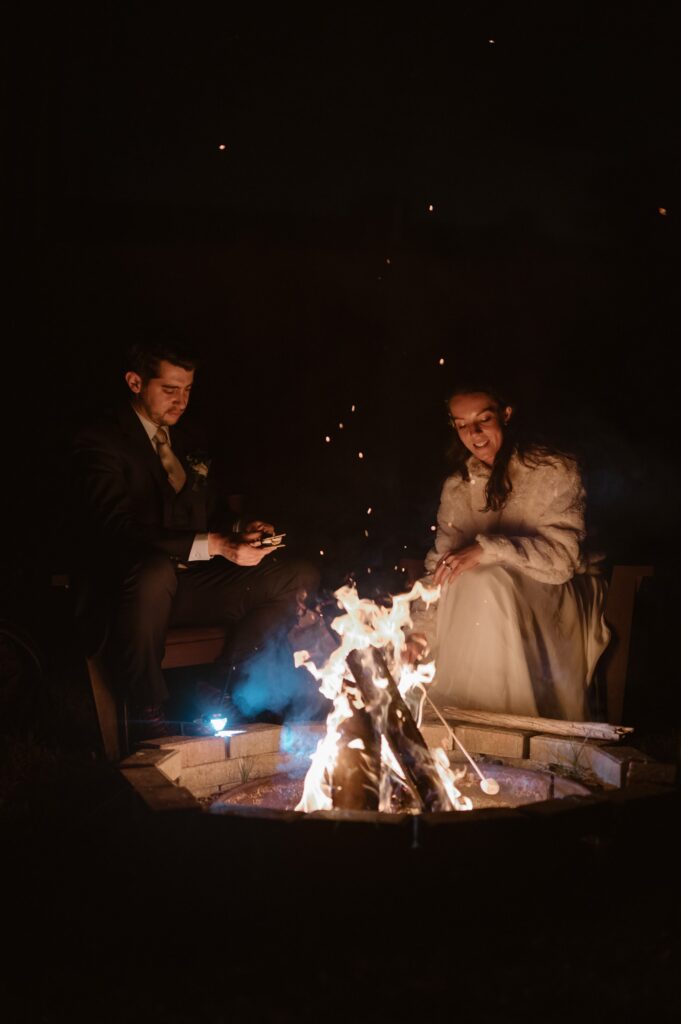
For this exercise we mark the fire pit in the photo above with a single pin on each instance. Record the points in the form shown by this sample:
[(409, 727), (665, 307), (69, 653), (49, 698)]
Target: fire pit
[(517, 787), (260, 770), (377, 761)]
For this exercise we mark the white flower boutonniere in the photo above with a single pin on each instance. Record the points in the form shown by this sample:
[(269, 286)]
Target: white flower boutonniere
[(199, 463)]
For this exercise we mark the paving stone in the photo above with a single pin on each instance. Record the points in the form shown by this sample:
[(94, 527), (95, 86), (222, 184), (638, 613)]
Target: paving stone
[(482, 740), (256, 739)]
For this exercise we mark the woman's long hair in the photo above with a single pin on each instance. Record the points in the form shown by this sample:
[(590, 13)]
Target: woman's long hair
[(532, 451)]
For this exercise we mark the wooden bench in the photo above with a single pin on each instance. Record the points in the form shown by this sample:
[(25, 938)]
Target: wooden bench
[(185, 646)]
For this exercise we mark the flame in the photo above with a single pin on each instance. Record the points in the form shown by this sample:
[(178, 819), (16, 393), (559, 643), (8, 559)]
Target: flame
[(367, 624)]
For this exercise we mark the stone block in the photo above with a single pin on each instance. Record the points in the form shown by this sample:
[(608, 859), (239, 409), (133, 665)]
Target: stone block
[(194, 749), (202, 780), (639, 767), (579, 755), (437, 735), (170, 763), (258, 738), (203, 750), (171, 798), (156, 791), (500, 742)]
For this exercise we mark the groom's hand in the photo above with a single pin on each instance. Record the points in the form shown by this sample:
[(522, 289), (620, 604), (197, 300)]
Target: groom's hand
[(258, 526), (240, 548)]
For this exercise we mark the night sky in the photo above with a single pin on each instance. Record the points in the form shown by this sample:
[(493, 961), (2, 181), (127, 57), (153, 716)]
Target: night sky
[(492, 185)]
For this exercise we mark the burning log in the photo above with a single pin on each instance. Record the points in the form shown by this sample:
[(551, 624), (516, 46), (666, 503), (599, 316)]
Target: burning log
[(357, 772), (396, 723), (352, 767)]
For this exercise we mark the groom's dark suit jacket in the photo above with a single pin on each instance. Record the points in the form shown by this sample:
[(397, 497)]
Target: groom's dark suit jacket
[(125, 508)]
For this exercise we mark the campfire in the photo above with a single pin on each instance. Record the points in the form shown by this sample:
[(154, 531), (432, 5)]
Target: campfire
[(373, 756)]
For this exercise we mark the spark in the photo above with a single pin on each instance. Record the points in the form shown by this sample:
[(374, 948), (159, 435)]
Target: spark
[(369, 510), (662, 210), (430, 207), (395, 568), (441, 361), (491, 42), (433, 528), (222, 146), (353, 408), (388, 260), (340, 426), (327, 439), (366, 533), (369, 570), (321, 551), (360, 455)]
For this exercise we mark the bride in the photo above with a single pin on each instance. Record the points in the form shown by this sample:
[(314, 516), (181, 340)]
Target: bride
[(519, 624)]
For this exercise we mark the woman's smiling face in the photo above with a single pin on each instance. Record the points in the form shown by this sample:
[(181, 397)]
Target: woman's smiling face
[(480, 423)]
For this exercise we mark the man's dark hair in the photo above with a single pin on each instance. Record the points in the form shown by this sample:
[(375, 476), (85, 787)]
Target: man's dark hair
[(531, 450), (144, 357)]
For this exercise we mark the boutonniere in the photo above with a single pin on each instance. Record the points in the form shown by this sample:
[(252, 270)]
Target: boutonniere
[(199, 463)]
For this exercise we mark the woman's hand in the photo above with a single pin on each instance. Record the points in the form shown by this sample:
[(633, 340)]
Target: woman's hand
[(454, 563), (416, 648)]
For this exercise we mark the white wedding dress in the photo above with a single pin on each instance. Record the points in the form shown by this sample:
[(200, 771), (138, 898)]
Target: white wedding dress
[(522, 632)]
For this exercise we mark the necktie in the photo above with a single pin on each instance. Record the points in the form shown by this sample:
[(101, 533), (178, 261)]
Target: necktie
[(171, 463)]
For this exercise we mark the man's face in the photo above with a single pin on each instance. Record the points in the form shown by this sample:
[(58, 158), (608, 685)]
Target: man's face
[(162, 399)]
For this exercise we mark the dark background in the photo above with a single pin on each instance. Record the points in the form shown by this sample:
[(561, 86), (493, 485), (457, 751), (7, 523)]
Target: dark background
[(545, 265), (543, 135)]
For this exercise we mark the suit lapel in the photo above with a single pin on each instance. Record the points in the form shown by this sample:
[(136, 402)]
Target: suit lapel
[(139, 440), (186, 508)]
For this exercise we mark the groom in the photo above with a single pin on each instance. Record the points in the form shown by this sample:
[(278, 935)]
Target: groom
[(154, 549)]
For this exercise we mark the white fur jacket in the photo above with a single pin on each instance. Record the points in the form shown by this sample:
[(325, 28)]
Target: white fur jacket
[(539, 531)]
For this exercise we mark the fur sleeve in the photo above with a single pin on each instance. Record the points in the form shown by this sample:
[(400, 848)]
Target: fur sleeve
[(452, 514), (550, 549)]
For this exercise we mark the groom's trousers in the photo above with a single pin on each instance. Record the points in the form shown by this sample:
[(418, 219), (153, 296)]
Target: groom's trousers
[(254, 604)]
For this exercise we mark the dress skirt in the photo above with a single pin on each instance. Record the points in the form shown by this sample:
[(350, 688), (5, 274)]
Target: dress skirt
[(510, 644)]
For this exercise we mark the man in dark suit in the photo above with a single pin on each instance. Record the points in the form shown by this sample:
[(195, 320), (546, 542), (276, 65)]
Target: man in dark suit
[(154, 548)]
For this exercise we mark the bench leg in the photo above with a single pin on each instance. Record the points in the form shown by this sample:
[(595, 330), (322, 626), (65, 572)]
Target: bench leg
[(112, 724), (619, 612)]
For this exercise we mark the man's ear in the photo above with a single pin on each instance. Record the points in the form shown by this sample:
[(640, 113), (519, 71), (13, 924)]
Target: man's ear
[(508, 412), (134, 381)]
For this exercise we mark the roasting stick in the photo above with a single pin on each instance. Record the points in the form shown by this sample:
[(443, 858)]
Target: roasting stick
[(487, 785)]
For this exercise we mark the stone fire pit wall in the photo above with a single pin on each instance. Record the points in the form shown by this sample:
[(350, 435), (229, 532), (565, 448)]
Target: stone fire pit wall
[(177, 772)]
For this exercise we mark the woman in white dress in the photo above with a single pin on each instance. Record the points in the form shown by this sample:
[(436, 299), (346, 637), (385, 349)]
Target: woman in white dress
[(519, 624)]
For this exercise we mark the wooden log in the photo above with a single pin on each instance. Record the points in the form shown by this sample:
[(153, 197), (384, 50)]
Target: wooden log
[(356, 780), (401, 732), (552, 726)]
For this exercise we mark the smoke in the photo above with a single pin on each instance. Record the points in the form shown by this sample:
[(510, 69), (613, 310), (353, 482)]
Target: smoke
[(270, 683)]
